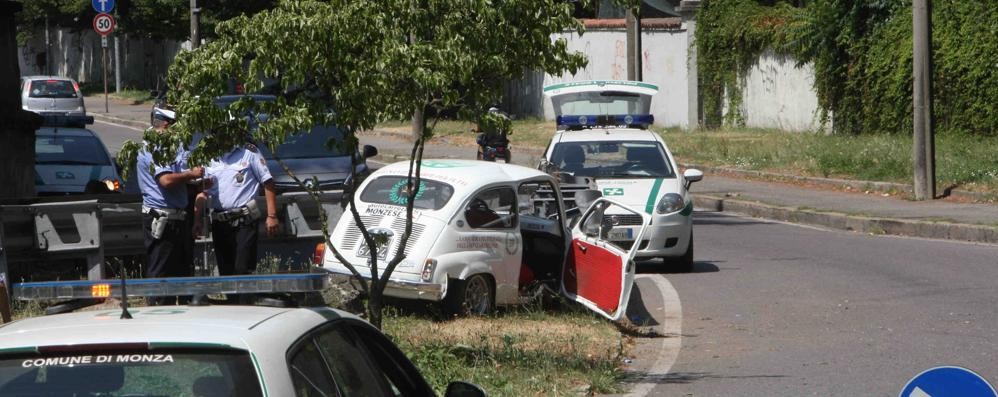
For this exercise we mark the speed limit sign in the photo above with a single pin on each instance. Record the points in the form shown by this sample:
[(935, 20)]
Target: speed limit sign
[(103, 24)]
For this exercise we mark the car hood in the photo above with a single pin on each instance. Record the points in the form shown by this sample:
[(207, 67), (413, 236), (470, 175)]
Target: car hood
[(642, 194), (56, 178), (329, 170)]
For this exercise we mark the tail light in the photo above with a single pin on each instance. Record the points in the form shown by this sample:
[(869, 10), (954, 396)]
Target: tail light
[(320, 251), (76, 87)]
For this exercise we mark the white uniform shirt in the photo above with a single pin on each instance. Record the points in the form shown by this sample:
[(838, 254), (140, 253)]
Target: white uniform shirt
[(237, 177)]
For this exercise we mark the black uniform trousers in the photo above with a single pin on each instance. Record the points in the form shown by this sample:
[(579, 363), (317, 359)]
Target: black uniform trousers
[(168, 255), (235, 245)]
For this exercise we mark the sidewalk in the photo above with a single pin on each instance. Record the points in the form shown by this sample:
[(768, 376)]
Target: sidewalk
[(828, 203)]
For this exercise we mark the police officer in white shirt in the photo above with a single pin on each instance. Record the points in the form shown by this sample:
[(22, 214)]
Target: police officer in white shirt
[(164, 199), (235, 217)]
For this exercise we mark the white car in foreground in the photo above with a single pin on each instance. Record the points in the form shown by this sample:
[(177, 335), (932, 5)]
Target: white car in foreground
[(199, 351), (484, 234), (603, 143)]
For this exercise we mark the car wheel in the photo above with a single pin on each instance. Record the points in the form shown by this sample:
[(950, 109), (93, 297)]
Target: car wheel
[(683, 264), (474, 296)]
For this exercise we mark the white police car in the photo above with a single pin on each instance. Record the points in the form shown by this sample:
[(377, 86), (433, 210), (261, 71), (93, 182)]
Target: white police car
[(202, 350), (484, 234), (603, 143)]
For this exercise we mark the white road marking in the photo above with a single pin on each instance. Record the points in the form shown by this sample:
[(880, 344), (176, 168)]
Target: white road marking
[(671, 329), (119, 125)]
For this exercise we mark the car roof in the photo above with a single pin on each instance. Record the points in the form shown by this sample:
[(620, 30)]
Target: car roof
[(233, 326), (470, 173), (64, 131), (607, 134)]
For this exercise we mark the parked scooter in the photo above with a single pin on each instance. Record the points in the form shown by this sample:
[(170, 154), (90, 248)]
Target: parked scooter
[(493, 141)]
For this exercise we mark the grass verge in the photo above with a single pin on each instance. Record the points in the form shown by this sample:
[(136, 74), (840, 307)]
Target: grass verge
[(962, 161), (518, 353)]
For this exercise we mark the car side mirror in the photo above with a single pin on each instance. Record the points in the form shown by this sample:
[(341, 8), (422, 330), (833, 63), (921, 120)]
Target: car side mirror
[(154, 93), (464, 389), (692, 175), (369, 151)]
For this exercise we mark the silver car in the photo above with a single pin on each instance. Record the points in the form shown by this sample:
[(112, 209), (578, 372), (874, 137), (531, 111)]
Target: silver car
[(52, 95)]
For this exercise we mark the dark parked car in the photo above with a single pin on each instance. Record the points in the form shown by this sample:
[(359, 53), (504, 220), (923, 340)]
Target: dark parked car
[(70, 159), (306, 156)]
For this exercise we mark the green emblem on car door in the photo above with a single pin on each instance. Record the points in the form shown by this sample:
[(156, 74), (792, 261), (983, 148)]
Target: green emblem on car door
[(613, 191)]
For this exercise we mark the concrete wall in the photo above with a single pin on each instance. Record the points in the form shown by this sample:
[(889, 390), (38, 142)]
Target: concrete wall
[(78, 55), (779, 95), (664, 64)]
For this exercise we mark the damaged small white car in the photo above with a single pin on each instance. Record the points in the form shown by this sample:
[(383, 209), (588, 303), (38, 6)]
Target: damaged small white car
[(487, 234)]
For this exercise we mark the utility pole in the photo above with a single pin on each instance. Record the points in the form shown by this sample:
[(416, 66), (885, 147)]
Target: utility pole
[(632, 24), (195, 25), (923, 143)]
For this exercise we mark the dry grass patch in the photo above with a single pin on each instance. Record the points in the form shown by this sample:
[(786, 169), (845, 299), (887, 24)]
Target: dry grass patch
[(514, 354)]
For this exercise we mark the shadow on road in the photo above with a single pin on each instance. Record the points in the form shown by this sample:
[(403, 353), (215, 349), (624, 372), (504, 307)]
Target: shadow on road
[(717, 218), (688, 377), (657, 266)]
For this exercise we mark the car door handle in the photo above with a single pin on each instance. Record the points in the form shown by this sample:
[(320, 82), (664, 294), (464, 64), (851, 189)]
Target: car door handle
[(582, 247)]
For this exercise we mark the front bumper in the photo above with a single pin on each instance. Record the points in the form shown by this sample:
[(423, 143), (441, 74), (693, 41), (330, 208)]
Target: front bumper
[(668, 235), (404, 289)]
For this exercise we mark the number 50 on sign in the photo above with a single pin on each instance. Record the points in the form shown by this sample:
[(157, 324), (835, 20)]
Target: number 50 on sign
[(103, 24)]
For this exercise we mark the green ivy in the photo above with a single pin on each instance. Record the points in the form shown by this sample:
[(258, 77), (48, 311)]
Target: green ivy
[(861, 53)]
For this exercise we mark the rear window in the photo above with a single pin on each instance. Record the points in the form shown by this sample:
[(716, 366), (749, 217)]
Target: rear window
[(70, 150), (52, 89), (393, 190), (130, 373)]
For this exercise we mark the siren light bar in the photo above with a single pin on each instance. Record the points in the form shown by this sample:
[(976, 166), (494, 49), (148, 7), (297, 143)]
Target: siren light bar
[(171, 286), (575, 121)]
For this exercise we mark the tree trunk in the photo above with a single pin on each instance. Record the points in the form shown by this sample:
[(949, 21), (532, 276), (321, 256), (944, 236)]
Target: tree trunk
[(418, 122), (17, 127)]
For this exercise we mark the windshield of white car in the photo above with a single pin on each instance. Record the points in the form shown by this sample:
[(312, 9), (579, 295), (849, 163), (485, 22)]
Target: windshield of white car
[(130, 373), (70, 150), (393, 190), (601, 103), (621, 159)]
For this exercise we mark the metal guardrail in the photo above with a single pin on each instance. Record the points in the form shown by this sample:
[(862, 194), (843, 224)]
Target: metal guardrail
[(91, 229)]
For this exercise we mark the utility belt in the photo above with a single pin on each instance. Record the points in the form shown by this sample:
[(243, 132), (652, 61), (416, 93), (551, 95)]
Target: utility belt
[(236, 216), (171, 214), (162, 217)]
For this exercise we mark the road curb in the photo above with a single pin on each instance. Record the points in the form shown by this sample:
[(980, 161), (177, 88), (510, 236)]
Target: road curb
[(118, 120), (871, 225)]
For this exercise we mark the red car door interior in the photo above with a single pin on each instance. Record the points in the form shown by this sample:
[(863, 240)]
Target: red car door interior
[(594, 273)]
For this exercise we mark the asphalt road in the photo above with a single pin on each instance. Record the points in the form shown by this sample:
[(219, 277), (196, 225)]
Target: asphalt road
[(114, 135), (781, 310)]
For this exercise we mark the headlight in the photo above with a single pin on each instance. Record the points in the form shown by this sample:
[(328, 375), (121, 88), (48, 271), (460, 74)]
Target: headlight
[(671, 202), (113, 185)]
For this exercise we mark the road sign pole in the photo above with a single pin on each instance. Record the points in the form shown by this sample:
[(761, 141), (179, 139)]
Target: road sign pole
[(104, 61)]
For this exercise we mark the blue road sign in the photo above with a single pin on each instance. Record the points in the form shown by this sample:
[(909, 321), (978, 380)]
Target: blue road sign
[(102, 6), (948, 382)]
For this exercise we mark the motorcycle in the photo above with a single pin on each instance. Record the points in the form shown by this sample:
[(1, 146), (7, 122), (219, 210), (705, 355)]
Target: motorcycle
[(494, 148), (493, 129)]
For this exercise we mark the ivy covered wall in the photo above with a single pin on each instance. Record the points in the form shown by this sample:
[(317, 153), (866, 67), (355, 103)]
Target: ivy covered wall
[(861, 54)]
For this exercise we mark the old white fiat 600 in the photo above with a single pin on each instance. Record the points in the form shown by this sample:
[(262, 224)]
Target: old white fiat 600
[(603, 142), (486, 234)]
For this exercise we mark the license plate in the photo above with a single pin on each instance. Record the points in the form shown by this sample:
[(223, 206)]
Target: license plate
[(364, 252), (621, 234)]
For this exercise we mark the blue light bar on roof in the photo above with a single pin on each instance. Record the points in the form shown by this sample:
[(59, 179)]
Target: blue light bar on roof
[(571, 121), (171, 286)]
